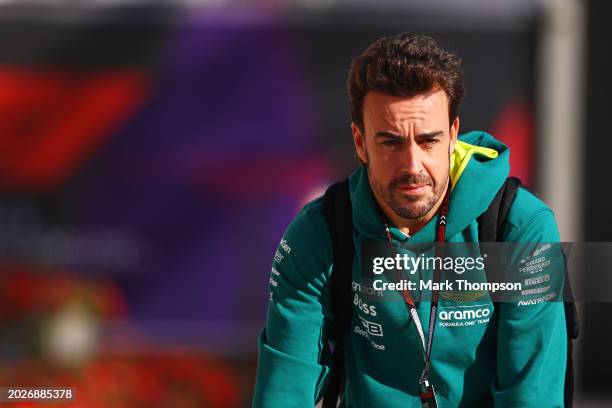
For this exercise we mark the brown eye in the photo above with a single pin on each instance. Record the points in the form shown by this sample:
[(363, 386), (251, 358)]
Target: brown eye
[(391, 142)]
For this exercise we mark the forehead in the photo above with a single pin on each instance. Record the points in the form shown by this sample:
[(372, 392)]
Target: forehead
[(381, 109)]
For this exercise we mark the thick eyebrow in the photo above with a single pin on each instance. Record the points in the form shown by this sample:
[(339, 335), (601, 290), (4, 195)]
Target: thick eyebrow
[(389, 135), (418, 137), (430, 135)]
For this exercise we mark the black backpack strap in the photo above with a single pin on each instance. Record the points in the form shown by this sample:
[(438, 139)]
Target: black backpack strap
[(338, 214), (491, 223), (573, 330), (571, 313)]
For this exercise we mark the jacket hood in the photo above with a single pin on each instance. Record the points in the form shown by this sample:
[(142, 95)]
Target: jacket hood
[(479, 166)]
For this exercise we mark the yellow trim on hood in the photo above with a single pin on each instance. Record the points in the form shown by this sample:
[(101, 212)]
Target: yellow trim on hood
[(461, 156)]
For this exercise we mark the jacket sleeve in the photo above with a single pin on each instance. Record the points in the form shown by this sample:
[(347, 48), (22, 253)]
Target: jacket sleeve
[(293, 358), (532, 338)]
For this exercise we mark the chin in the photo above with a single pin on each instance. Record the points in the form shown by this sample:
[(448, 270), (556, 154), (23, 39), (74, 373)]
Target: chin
[(413, 201), (417, 209), (411, 212)]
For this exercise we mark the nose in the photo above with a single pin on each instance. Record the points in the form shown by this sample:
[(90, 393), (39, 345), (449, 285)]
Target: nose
[(413, 163)]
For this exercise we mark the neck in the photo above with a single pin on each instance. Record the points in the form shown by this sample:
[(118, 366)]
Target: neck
[(409, 226)]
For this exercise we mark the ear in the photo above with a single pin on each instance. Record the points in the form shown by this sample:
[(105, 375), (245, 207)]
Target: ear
[(454, 132), (359, 140)]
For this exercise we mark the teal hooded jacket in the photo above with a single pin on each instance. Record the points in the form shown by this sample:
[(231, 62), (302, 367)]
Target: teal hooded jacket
[(517, 359)]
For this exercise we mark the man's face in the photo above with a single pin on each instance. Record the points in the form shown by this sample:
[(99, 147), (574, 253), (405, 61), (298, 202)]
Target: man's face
[(406, 146)]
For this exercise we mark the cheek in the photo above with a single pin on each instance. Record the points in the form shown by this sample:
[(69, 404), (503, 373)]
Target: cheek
[(437, 166), (384, 166)]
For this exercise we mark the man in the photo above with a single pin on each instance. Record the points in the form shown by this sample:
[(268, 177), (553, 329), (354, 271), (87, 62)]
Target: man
[(404, 94)]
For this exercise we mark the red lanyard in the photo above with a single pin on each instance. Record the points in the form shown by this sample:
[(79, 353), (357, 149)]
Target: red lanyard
[(409, 301)]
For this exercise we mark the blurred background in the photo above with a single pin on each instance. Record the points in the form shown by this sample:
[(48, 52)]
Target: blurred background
[(153, 152)]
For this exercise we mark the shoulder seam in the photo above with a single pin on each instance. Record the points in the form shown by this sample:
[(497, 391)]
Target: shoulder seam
[(518, 228), (544, 207)]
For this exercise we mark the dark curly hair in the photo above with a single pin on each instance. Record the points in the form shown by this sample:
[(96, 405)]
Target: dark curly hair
[(404, 65)]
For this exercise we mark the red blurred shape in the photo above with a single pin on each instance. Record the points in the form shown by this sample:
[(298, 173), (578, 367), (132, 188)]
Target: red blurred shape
[(514, 127), (260, 175), (52, 119)]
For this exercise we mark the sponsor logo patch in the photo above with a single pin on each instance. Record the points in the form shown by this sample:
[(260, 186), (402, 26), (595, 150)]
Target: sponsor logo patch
[(464, 316)]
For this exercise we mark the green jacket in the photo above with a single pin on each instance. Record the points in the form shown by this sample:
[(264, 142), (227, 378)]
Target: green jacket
[(518, 358)]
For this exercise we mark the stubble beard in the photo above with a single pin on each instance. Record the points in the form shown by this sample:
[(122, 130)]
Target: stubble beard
[(405, 205)]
